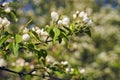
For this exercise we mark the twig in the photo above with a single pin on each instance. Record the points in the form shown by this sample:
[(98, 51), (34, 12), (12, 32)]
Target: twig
[(46, 41), (30, 73), (19, 73)]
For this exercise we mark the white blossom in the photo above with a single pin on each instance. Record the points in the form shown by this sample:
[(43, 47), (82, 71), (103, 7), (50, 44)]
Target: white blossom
[(41, 32), (34, 72), (32, 66), (2, 62), (7, 10), (50, 59), (64, 62), (65, 21), (87, 20), (82, 14), (4, 22), (67, 69), (25, 37), (26, 64), (77, 12), (71, 69), (20, 62), (54, 16), (82, 70), (5, 4)]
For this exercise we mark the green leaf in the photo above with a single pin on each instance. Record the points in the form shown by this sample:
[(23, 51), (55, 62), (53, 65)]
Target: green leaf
[(68, 29), (51, 33), (26, 25), (76, 71), (31, 46), (48, 28), (34, 35), (8, 45), (56, 33), (62, 30), (42, 53), (58, 73), (3, 39), (18, 38), (59, 39), (13, 16), (15, 47), (64, 35)]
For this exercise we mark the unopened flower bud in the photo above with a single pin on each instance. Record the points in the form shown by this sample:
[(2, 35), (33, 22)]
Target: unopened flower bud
[(77, 12), (74, 16)]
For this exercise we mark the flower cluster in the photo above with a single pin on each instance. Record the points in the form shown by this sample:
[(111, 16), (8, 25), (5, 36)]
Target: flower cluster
[(4, 22), (20, 62), (82, 15), (36, 29), (41, 32), (64, 21), (7, 9), (69, 70), (64, 62)]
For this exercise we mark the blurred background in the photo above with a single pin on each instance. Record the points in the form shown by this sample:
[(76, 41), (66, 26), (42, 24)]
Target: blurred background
[(98, 55)]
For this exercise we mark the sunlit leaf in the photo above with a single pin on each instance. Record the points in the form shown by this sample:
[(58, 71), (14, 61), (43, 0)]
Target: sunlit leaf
[(15, 47), (56, 33), (18, 38)]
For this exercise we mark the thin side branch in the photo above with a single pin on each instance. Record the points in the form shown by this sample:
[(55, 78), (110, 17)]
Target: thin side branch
[(23, 73), (19, 73)]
